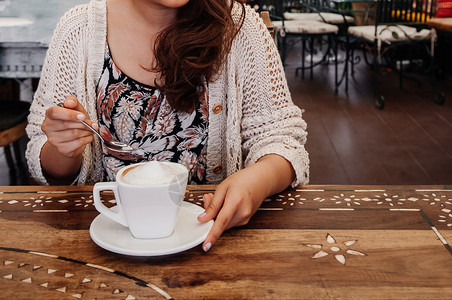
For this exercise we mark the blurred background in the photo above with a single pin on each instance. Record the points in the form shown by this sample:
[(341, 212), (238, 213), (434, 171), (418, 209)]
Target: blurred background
[(350, 140)]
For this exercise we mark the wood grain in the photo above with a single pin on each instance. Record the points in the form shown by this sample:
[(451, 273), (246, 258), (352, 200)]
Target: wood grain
[(322, 242)]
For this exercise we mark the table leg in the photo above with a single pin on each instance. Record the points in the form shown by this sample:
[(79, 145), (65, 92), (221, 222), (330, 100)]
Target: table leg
[(25, 89)]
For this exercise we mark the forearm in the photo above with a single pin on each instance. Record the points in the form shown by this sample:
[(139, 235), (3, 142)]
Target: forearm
[(275, 172), (239, 196), (59, 169)]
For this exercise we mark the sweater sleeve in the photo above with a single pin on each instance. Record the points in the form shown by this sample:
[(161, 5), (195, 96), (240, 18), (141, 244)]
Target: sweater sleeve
[(271, 123), (58, 80)]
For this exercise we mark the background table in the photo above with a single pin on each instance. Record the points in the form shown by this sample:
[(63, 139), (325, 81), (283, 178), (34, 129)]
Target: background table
[(329, 242), (26, 28)]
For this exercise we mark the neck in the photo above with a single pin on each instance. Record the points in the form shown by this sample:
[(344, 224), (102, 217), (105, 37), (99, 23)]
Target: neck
[(147, 12)]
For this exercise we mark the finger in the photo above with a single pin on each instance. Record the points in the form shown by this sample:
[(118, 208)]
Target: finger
[(219, 226), (214, 205), (207, 198)]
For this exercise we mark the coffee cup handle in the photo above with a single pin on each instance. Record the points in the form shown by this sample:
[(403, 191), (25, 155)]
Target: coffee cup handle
[(115, 216)]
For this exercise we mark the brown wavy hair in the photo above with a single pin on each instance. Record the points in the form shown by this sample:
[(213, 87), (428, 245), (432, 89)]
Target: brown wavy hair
[(193, 49)]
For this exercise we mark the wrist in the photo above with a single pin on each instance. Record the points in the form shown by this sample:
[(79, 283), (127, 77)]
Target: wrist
[(58, 168)]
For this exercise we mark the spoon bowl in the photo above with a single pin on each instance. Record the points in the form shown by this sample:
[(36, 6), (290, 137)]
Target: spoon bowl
[(112, 144)]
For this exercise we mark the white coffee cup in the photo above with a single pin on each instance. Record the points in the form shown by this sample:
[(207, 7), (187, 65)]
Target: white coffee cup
[(147, 202)]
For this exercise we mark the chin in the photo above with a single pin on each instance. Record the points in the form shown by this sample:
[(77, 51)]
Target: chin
[(173, 3)]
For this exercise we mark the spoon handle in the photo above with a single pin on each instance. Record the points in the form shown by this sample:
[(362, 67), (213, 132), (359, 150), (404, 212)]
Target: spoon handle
[(93, 130)]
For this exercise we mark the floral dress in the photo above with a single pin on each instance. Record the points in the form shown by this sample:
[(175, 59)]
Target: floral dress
[(139, 115)]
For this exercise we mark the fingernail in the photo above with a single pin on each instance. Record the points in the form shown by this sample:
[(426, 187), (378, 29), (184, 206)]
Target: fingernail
[(207, 247), (95, 126), (69, 101), (80, 117), (202, 215)]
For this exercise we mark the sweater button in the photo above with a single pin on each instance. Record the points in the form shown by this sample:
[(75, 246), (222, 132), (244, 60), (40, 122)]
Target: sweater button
[(217, 169), (217, 108)]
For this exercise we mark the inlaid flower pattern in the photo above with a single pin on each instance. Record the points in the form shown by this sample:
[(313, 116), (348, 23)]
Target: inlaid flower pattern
[(338, 250), (41, 202)]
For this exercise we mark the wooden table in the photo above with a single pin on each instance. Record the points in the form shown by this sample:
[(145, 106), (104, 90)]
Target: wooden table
[(444, 24), (323, 242)]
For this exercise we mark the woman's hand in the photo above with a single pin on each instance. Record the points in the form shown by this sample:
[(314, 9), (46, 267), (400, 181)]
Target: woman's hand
[(67, 137), (239, 196)]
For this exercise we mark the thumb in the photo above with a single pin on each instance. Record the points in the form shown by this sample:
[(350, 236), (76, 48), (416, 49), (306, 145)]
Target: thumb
[(73, 103)]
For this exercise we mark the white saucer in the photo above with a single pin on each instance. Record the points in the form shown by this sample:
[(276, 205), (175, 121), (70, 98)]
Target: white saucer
[(188, 233)]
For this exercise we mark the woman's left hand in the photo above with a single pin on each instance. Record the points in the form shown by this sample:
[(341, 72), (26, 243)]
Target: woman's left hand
[(239, 196)]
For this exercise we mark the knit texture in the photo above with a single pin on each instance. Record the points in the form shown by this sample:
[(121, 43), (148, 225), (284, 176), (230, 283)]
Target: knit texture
[(258, 115)]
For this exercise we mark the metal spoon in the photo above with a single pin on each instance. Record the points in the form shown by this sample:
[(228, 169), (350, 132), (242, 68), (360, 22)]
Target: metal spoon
[(112, 145)]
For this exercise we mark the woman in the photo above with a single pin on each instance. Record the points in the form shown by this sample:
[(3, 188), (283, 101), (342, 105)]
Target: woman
[(198, 82)]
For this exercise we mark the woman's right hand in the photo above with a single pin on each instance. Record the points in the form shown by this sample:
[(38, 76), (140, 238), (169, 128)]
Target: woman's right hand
[(62, 154), (64, 129)]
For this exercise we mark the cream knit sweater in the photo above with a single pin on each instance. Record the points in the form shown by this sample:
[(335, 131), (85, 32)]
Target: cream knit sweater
[(253, 116)]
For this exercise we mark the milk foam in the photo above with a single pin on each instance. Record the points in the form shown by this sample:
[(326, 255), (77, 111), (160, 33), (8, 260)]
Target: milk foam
[(154, 173)]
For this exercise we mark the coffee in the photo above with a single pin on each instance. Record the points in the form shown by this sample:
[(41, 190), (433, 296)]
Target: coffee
[(153, 173), (147, 197)]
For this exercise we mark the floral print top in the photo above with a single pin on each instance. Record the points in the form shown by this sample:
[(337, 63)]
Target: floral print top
[(139, 115)]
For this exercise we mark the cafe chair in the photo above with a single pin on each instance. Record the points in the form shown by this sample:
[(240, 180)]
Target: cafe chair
[(400, 41), (265, 16), (13, 120), (316, 36)]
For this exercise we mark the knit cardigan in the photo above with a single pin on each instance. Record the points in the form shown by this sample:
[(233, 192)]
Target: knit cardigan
[(251, 111)]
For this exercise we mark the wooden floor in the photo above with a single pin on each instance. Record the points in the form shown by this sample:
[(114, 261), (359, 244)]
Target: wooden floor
[(350, 141)]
